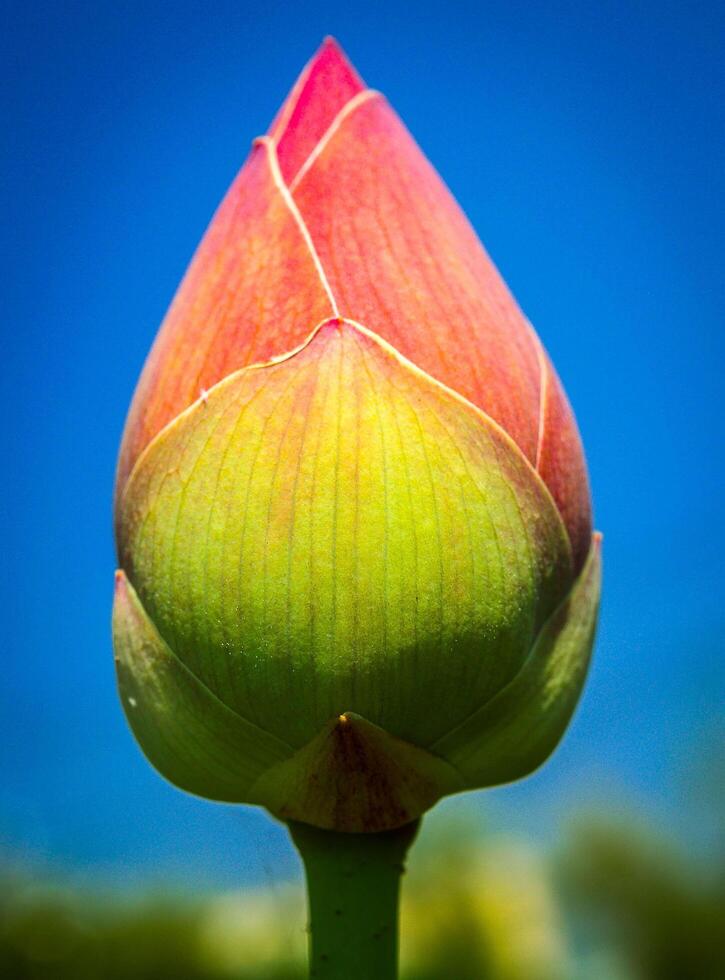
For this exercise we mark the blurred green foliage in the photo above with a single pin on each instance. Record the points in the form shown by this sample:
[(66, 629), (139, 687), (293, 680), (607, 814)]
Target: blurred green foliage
[(616, 902), (633, 893)]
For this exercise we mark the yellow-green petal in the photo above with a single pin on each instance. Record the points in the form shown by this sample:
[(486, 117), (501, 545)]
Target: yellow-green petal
[(336, 532)]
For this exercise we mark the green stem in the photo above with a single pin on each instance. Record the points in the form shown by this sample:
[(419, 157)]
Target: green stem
[(353, 889)]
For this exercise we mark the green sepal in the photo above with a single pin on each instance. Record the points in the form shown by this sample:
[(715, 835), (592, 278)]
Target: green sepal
[(185, 731), (356, 777), (516, 731)]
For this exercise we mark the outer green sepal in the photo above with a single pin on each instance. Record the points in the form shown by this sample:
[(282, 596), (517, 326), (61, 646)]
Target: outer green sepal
[(516, 731), (352, 776), (185, 731), (356, 777)]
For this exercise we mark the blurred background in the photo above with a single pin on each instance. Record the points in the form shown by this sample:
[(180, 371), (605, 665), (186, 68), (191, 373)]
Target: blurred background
[(585, 143)]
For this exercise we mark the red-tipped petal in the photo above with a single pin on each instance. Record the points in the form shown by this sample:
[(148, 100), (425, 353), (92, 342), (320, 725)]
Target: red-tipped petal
[(252, 291), (339, 211), (562, 466), (327, 83), (401, 258)]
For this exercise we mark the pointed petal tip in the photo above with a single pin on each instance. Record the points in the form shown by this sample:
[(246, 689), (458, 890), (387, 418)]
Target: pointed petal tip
[(327, 83), (334, 56), (595, 549), (331, 64), (119, 583), (330, 43)]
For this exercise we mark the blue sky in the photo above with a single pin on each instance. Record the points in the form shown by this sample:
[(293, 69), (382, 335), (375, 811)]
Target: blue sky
[(585, 142)]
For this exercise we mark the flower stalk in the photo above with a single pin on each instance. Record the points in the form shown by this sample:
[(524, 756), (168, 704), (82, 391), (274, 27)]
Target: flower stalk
[(353, 889)]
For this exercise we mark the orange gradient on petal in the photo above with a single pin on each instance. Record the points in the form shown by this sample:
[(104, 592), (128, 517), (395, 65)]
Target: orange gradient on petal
[(338, 213)]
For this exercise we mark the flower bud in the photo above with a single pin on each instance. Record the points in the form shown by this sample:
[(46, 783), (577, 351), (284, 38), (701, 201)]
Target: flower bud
[(352, 510)]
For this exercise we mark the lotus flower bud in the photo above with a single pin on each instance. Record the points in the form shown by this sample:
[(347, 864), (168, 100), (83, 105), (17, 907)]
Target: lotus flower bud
[(352, 510)]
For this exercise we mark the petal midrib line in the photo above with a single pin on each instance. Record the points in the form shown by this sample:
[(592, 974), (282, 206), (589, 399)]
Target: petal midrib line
[(269, 144), (287, 190), (392, 352), (355, 102)]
